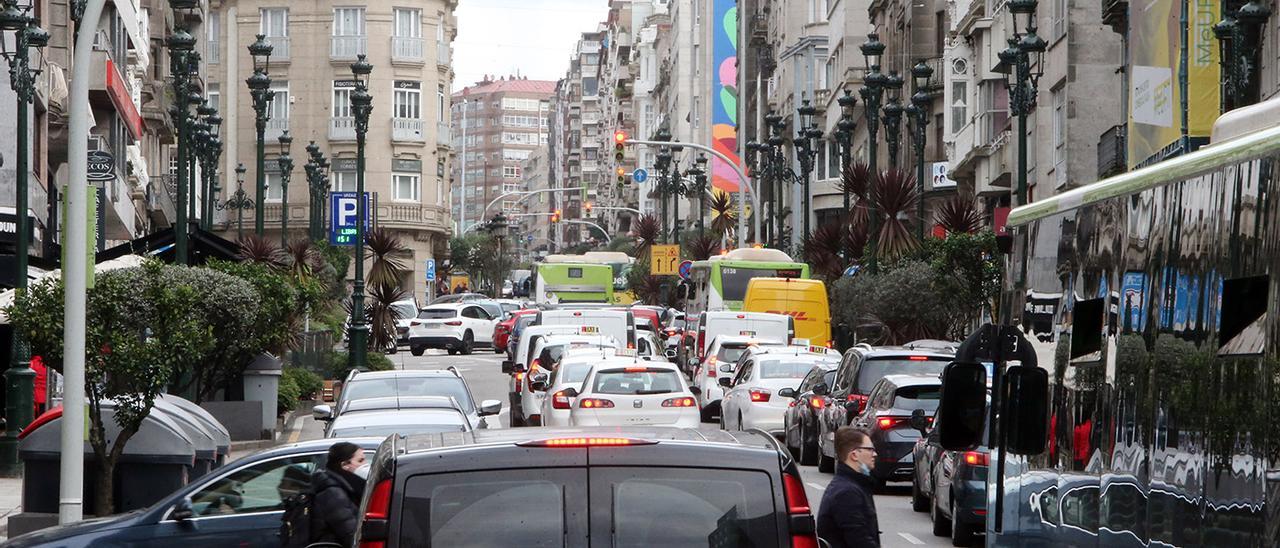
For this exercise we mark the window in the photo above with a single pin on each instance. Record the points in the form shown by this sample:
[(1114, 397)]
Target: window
[(1060, 134), (833, 159), (408, 100), (348, 21), (342, 98), (515, 155), (342, 181), (261, 487), (457, 509), (515, 103), (406, 186), (215, 97), (214, 37), (408, 23), (274, 190), (274, 22), (511, 172), (1059, 19), (280, 101), (959, 105), (441, 101)]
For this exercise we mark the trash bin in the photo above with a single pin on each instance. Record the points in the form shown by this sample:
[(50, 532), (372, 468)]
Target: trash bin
[(262, 383), (155, 462), (205, 445), (220, 434)]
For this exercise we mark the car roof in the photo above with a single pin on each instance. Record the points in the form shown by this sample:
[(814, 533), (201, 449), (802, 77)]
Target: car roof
[(404, 374), (779, 350), (717, 314), (570, 338), (401, 416), (418, 443), (912, 380), (628, 361), (873, 352), (391, 403), (742, 339), (365, 442), (449, 306)]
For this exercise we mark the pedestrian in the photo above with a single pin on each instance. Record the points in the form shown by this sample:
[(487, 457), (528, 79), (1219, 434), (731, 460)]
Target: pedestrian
[(847, 517), (338, 490)]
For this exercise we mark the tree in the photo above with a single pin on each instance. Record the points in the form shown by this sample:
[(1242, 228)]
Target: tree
[(269, 322), (899, 304)]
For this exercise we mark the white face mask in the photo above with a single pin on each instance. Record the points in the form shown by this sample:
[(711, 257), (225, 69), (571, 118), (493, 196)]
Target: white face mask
[(362, 471), (862, 467)]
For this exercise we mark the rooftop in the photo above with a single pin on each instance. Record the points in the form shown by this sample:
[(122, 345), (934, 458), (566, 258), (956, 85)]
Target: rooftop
[(509, 85)]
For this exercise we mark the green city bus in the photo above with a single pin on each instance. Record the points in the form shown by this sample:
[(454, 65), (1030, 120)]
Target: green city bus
[(571, 279), (720, 283)]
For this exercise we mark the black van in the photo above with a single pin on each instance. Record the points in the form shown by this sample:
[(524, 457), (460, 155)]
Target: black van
[(580, 487)]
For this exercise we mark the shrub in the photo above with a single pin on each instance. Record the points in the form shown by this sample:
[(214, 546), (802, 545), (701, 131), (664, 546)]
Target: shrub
[(308, 383), (378, 361), (288, 394)]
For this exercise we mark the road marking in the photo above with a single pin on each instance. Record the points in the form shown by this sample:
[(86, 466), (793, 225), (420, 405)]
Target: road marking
[(816, 486), (911, 538), (297, 429)]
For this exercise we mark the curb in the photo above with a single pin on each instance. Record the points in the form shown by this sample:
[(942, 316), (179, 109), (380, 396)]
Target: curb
[(287, 423)]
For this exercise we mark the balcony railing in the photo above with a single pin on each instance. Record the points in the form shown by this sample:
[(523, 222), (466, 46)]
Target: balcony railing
[(1112, 158), (342, 128), (406, 49), (279, 47), (275, 127), (347, 47), (992, 127), (406, 129)]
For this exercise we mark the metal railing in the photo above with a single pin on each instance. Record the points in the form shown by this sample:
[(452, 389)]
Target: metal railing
[(990, 125), (342, 128), (406, 129), (347, 47), (275, 127), (406, 49), (1112, 152)]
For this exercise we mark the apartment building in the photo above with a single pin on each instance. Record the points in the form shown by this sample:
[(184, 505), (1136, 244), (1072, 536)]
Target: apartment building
[(407, 156), (650, 19)]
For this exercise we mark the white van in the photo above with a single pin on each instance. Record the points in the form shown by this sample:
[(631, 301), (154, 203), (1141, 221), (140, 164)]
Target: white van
[(760, 325), (619, 324)]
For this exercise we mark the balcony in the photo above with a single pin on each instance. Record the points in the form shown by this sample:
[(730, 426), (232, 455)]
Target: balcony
[(275, 127), (1115, 13), (342, 128), (279, 48), (406, 50), (160, 202), (407, 129), (1112, 154), (346, 48)]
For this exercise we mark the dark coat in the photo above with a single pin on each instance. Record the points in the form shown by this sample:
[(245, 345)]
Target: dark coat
[(847, 517), (336, 506)]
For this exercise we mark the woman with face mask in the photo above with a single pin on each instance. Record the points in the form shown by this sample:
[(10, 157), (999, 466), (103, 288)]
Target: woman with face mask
[(337, 488)]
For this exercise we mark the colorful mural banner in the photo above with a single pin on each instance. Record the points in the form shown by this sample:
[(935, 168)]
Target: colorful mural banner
[(724, 110)]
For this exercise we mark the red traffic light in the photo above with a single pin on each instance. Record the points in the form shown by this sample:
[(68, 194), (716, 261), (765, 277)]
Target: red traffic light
[(620, 137)]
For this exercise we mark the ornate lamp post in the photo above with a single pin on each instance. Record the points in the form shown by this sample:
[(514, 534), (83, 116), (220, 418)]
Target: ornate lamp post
[(260, 89), (806, 146), (777, 173), (844, 135), (238, 201), (285, 162), (872, 92), (1239, 34), (893, 117), (180, 45), (213, 152), (919, 114), (318, 189), (201, 134), (675, 189), (498, 228), (1016, 62), (362, 106), (663, 164), (699, 187), (19, 378)]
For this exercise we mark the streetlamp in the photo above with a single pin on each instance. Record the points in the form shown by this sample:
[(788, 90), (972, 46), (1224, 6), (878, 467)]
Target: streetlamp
[(1016, 62), (844, 134), (317, 188), (872, 92), (777, 166), (699, 186), (663, 163), (238, 201), (1239, 34), (362, 106), (893, 116), (758, 163), (498, 228), (19, 378), (806, 147), (918, 112), (285, 162), (213, 152), (260, 89), (180, 45)]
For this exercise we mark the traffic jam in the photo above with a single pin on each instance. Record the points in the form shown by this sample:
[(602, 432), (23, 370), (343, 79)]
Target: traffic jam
[(623, 425)]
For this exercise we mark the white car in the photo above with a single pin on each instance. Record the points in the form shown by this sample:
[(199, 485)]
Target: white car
[(573, 368), (454, 327), (405, 311), (754, 399), (619, 324), (548, 352), (628, 391), (722, 357)]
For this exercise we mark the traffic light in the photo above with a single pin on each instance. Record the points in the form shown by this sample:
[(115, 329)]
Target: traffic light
[(587, 208), (619, 140), (555, 216), (622, 175)]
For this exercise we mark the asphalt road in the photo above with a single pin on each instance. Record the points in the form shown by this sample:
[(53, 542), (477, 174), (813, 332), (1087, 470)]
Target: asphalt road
[(900, 526)]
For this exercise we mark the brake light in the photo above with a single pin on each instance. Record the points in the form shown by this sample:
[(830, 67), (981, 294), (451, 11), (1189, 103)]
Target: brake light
[(918, 358), (741, 316), (886, 423), (974, 458), (636, 369), (680, 402), (585, 442), (793, 403), (758, 395), (378, 510), (816, 402), (454, 323), (559, 400), (415, 323), (533, 367), (595, 403), (577, 313), (519, 382), (859, 399), (797, 510), (702, 340)]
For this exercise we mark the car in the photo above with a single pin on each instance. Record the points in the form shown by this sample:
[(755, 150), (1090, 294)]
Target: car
[(502, 330), (401, 422), (764, 381), (887, 418), (402, 403), (548, 351), (721, 359), (648, 347), (578, 487), (860, 369), (627, 391), (459, 298), (404, 311), (950, 485), (422, 382), (518, 365), (800, 423), (510, 306), (710, 325), (237, 504), (652, 314), (495, 309), (517, 329), (453, 327), (619, 324), (569, 373)]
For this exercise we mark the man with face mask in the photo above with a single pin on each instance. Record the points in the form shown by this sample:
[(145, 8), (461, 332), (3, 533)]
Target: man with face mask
[(847, 516), (338, 488)]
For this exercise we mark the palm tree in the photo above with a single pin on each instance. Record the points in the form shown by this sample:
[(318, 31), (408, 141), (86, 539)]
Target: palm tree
[(895, 196), (701, 246), (262, 251), (724, 217), (646, 232), (386, 252), (304, 259), (960, 215)]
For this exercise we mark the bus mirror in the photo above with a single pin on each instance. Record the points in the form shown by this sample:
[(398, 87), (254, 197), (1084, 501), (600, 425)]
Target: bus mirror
[(963, 406), (1026, 420)]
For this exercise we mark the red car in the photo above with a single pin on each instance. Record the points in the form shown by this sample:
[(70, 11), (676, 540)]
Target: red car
[(644, 312), (502, 332)]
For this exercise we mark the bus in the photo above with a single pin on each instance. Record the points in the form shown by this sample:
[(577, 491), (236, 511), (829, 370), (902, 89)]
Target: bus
[(1149, 303), (720, 283), (571, 279), (621, 264)]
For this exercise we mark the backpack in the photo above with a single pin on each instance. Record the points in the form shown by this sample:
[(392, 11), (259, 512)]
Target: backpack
[(295, 525)]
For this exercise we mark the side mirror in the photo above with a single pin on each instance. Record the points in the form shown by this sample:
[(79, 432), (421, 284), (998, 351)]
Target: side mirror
[(821, 389), (919, 422), (570, 392), (695, 390), (787, 393), (322, 412), (490, 407), (693, 362), (963, 406), (725, 382), (726, 368), (1026, 416), (508, 367), (538, 382), (670, 354), (182, 511)]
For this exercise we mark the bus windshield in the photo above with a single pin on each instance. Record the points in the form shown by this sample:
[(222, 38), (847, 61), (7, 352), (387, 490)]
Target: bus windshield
[(734, 279)]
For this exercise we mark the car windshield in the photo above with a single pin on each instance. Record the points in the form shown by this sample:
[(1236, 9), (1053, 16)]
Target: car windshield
[(403, 310), (510, 307), (383, 430), (574, 371), (730, 353), (637, 381), (925, 396), (437, 313), (784, 369), (875, 369), (359, 389)]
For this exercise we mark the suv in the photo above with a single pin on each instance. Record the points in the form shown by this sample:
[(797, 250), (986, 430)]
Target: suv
[(860, 369), (887, 418), (453, 327), (634, 486)]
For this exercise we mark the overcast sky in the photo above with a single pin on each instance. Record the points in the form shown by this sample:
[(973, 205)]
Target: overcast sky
[(534, 37)]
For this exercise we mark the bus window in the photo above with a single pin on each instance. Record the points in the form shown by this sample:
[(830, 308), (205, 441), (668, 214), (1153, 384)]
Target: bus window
[(575, 272)]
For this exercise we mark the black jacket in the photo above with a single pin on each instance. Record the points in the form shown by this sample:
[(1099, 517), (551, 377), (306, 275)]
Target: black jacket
[(847, 517), (336, 506)]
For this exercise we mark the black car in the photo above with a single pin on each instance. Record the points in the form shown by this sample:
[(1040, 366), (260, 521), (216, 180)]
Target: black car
[(800, 423), (887, 418), (239, 504), (579, 487), (860, 369), (950, 485)]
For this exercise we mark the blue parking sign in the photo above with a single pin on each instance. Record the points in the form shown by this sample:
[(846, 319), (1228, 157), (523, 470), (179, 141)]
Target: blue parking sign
[(342, 217), (431, 270)]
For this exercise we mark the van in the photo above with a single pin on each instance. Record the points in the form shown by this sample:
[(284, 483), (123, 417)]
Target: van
[(619, 324), (760, 325), (803, 300)]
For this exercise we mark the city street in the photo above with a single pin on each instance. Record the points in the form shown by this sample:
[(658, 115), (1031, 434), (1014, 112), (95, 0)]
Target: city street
[(900, 527)]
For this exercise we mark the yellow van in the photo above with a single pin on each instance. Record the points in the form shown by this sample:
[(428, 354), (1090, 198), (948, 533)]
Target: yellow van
[(804, 300)]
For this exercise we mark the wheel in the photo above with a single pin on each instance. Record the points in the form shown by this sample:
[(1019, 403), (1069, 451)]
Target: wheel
[(941, 525), (516, 415), (453, 351), (918, 502), (808, 451), (708, 414), (723, 426), (961, 533), (467, 344), (739, 420), (417, 350)]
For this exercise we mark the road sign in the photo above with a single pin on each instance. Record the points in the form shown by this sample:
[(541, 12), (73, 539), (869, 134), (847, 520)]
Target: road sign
[(663, 260), (686, 268), (343, 215), (640, 175), (431, 270), (529, 238)]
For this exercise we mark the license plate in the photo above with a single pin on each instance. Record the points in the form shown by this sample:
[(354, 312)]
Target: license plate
[(746, 333), (588, 329)]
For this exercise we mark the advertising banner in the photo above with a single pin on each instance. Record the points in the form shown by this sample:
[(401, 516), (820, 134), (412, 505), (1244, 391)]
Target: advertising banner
[(724, 88)]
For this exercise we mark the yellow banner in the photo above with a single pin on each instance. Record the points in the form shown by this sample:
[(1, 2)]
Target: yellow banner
[(1155, 119), (1203, 74)]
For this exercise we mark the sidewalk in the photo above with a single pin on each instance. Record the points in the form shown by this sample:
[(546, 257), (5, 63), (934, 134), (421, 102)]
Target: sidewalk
[(10, 502)]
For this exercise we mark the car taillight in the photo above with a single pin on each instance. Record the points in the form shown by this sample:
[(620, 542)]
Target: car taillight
[(816, 402), (702, 339), (711, 367), (559, 400), (886, 423), (859, 399), (803, 529), (454, 323), (793, 403), (585, 442), (415, 323), (519, 382), (758, 395), (680, 402), (918, 358), (594, 403), (377, 513), (975, 458)]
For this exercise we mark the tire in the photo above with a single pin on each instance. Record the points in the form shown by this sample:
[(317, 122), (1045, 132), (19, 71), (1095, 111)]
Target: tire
[(808, 451), (707, 415), (515, 414), (468, 344), (453, 351), (417, 350), (918, 502), (961, 533), (941, 525)]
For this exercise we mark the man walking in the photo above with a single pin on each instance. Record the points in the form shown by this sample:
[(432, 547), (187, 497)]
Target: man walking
[(847, 517)]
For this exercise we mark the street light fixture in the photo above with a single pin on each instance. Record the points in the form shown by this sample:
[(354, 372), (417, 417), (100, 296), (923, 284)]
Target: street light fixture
[(872, 92), (238, 201), (285, 162), (317, 189), (893, 116), (806, 146), (180, 44), (260, 89), (1239, 34), (777, 170), (498, 228), (1022, 65), (362, 107), (919, 113), (699, 172), (844, 134), (212, 153)]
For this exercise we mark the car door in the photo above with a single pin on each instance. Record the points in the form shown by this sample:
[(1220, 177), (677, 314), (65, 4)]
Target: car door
[(792, 419), (932, 455), (480, 323), (737, 396)]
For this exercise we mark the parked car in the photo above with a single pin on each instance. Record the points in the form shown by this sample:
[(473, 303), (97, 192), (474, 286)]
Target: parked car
[(395, 384), (628, 391), (860, 369), (405, 311), (800, 423), (950, 485), (502, 330), (453, 327), (763, 383), (887, 418), (632, 486), (238, 504), (474, 419), (721, 361)]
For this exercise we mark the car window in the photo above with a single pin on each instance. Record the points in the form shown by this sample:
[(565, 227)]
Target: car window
[(743, 373), (637, 381), (917, 397), (810, 380), (784, 369), (409, 386), (403, 310), (437, 313), (384, 430), (574, 371), (471, 312), (729, 353), (261, 487), (457, 509), (872, 370)]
